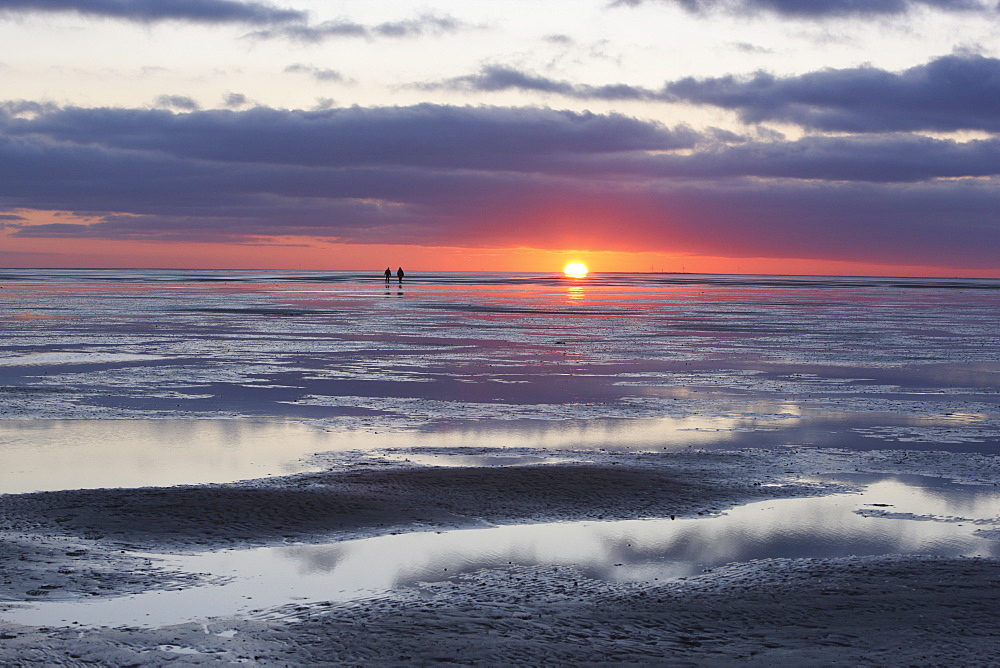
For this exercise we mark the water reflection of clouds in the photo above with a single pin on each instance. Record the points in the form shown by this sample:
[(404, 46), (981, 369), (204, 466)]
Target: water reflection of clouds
[(648, 433), (945, 502), (46, 455), (311, 560), (794, 528), (632, 550)]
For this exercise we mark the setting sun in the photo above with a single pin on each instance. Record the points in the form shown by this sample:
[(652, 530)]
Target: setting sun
[(575, 270)]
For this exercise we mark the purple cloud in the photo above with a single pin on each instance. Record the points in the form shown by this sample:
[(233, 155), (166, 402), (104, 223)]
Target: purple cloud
[(8, 221), (875, 159), (495, 78), (955, 92), (320, 74), (819, 9), (146, 11), (425, 135), (235, 100), (421, 26), (181, 102)]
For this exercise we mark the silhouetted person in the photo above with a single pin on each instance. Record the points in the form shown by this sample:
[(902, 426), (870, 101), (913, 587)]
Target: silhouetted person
[(388, 275), (399, 275)]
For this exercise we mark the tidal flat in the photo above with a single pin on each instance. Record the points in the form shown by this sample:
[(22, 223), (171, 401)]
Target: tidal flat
[(311, 468)]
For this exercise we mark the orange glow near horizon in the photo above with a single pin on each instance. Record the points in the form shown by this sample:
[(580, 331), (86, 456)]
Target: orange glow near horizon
[(576, 270), (289, 254), (299, 253)]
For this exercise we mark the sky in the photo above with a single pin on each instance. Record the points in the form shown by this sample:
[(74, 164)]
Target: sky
[(857, 137)]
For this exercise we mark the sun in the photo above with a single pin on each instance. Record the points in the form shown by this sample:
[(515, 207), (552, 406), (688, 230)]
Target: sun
[(576, 270)]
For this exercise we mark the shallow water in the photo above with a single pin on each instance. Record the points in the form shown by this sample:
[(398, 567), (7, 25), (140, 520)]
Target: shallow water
[(633, 361), (49, 455), (891, 515)]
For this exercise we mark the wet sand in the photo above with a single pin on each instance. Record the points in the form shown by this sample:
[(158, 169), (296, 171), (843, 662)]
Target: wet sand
[(888, 610)]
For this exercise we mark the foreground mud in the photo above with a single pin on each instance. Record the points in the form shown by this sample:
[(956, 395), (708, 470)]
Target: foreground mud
[(887, 610), (875, 611)]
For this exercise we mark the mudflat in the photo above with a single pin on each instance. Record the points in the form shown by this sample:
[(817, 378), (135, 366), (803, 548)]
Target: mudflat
[(207, 467), (78, 545)]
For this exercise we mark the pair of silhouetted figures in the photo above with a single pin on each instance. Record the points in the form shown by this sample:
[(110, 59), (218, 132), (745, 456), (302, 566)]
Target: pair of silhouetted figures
[(399, 275)]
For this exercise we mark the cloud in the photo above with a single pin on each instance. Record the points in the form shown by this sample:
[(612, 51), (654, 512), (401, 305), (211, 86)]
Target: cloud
[(482, 176), (426, 24), (147, 11), (315, 72), (11, 221), (421, 26), (235, 100), (28, 108), (888, 159), (747, 47), (559, 39), (956, 92), (500, 139), (495, 78), (182, 102), (314, 34), (819, 9), (424, 135)]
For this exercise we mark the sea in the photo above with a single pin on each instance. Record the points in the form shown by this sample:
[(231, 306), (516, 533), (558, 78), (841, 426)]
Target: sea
[(131, 378), (215, 367)]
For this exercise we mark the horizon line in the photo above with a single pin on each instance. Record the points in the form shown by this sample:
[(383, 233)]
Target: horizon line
[(378, 273)]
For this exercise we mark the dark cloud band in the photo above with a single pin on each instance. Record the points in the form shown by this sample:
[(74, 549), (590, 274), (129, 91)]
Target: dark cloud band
[(958, 92), (199, 11), (425, 135)]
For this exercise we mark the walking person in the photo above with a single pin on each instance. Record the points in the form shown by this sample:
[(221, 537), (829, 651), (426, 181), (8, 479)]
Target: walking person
[(399, 275), (388, 275)]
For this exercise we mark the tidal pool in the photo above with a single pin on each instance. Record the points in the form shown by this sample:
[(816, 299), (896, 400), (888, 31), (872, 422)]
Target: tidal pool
[(50, 455), (907, 515)]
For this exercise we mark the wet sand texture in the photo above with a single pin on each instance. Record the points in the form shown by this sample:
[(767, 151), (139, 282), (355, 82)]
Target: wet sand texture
[(847, 611), (853, 611), (874, 611), (376, 501)]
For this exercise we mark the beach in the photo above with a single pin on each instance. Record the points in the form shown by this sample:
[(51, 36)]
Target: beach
[(217, 467)]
